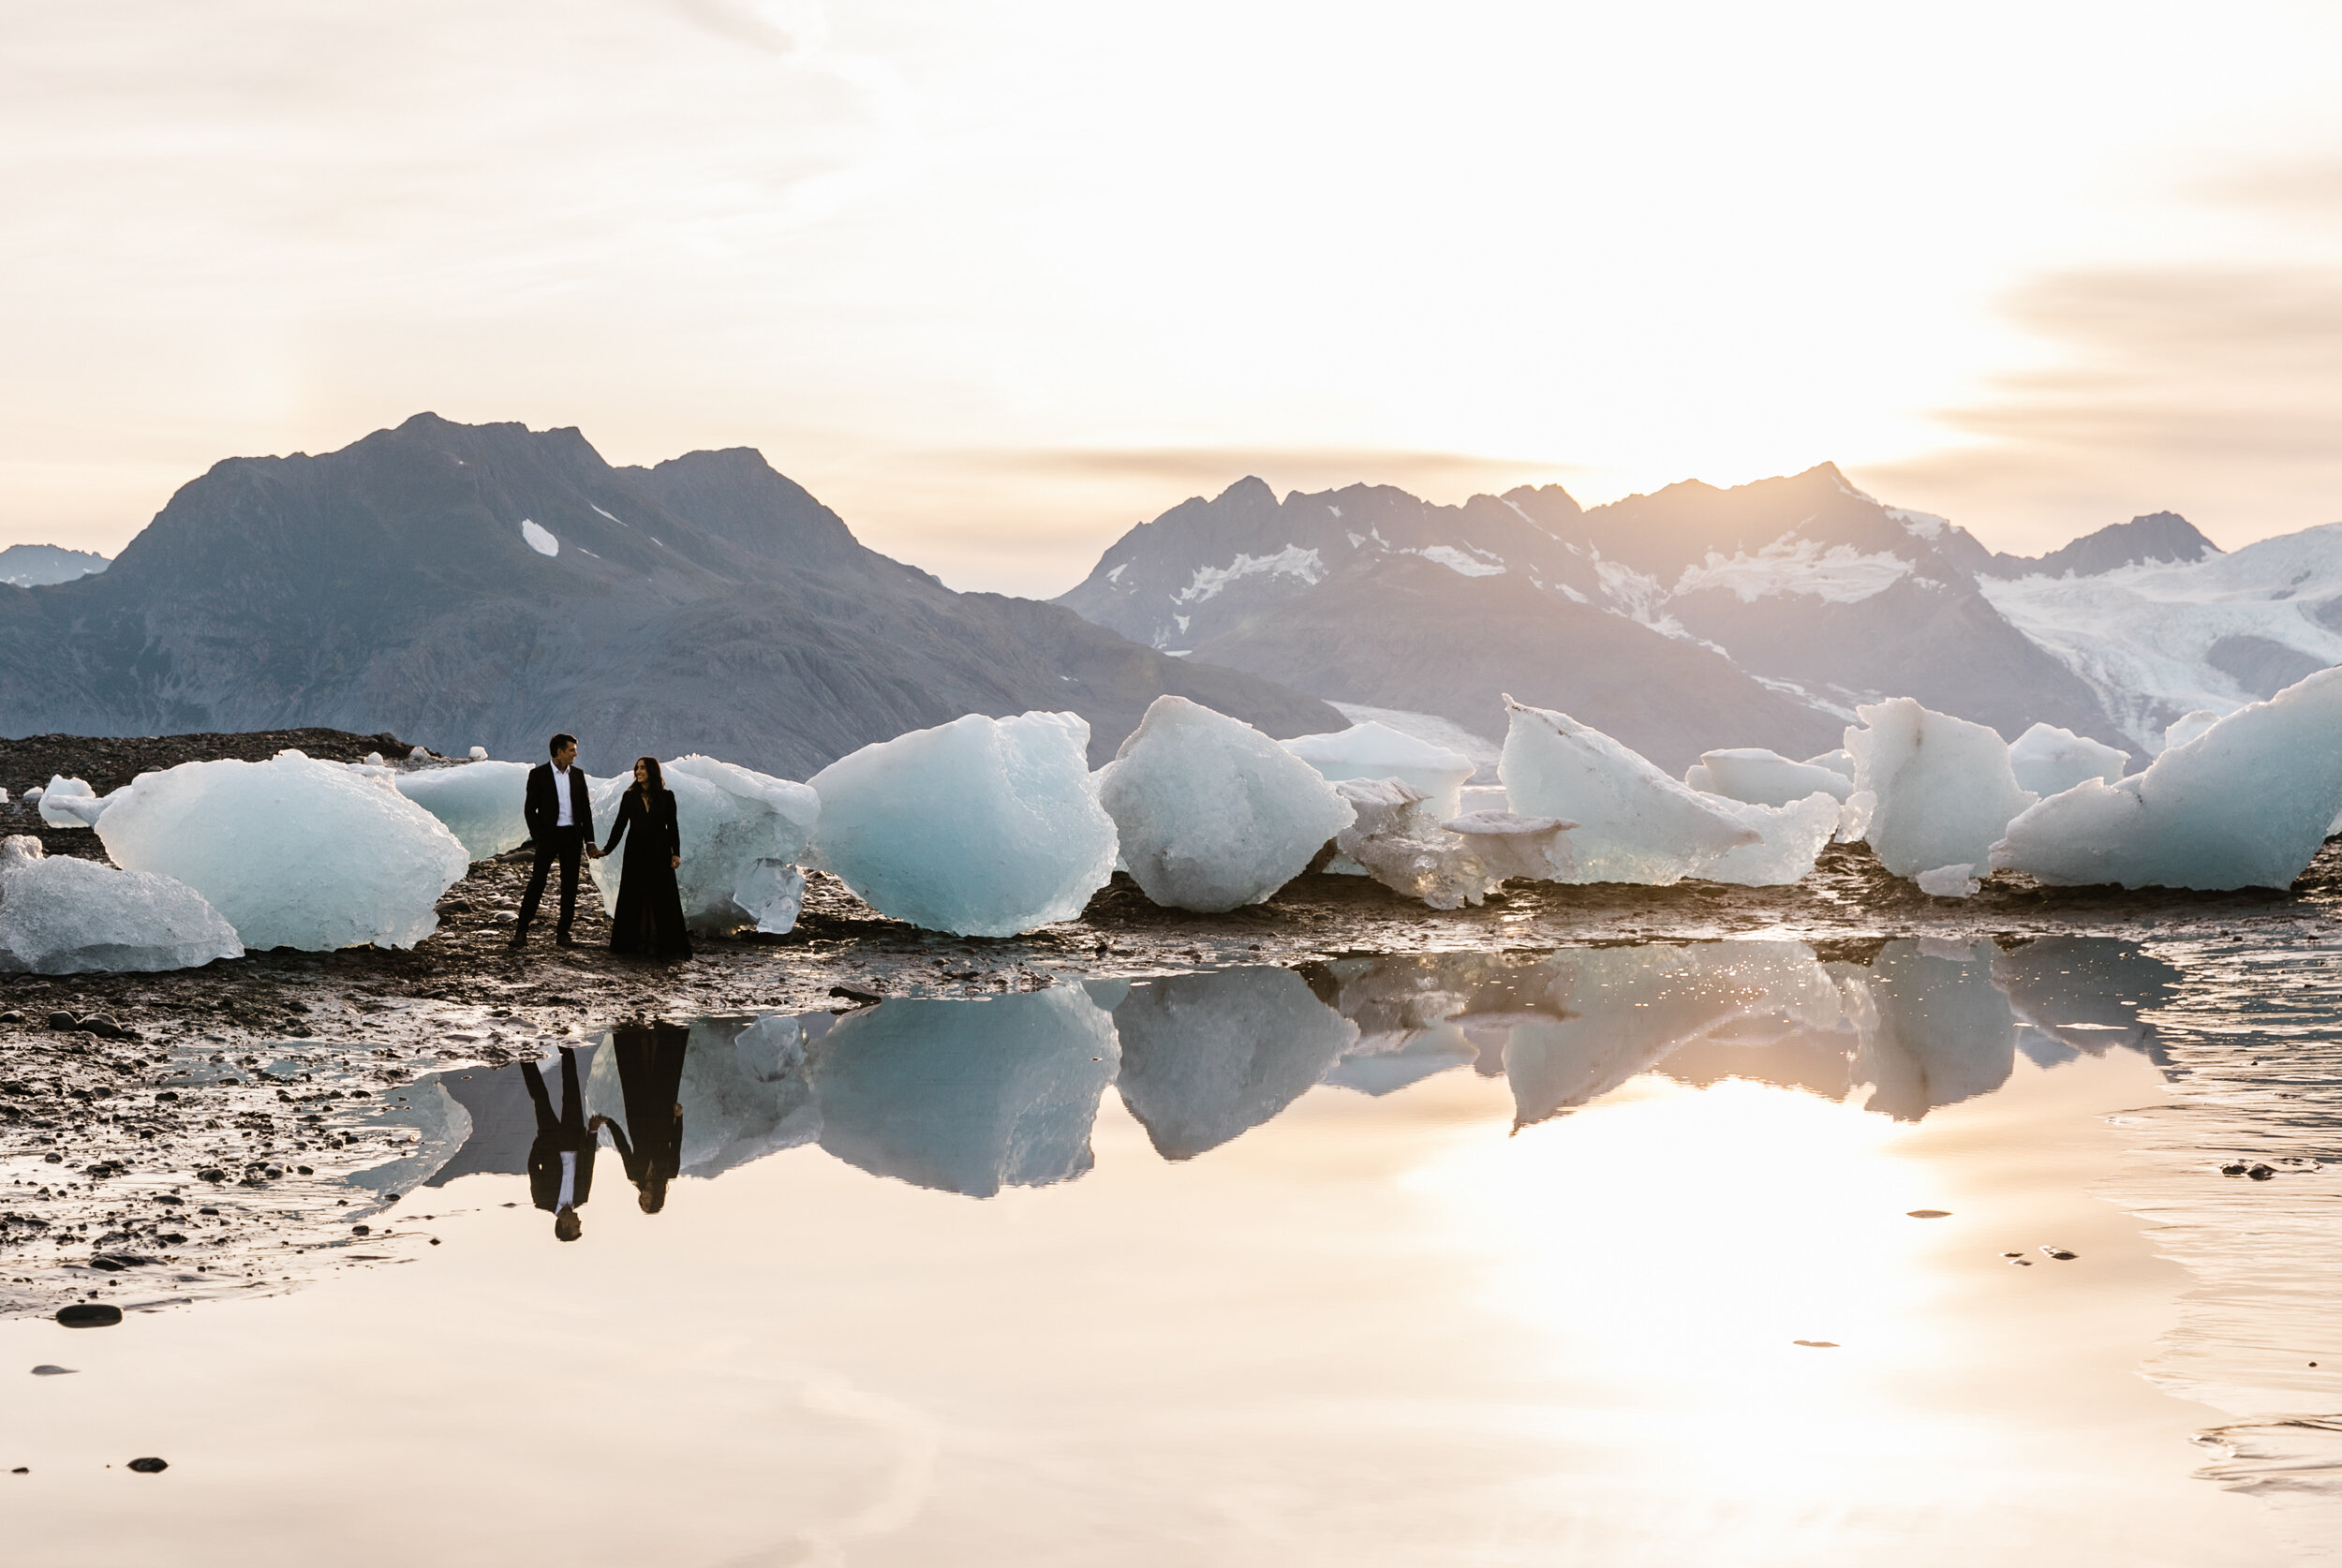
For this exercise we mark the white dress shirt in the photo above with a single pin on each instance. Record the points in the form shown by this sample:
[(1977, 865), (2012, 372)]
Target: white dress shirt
[(561, 791)]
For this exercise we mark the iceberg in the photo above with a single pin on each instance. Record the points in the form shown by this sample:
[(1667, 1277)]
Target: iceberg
[(1447, 865), (294, 852), (983, 827), (1209, 1057), (1840, 761), (2188, 726), (1790, 839), (70, 803), (2049, 761), (72, 916), (1635, 824), (1762, 777), (1943, 788), (2245, 804), (1212, 814), (1375, 751), (479, 802), (734, 821), (968, 1096), (1939, 1031)]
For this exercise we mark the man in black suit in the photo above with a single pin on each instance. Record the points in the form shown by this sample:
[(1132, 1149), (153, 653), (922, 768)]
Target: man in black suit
[(561, 1158), (560, 819)]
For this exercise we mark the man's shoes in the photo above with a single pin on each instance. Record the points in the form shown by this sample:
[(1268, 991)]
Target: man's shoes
[(561, 939), (520, 937)]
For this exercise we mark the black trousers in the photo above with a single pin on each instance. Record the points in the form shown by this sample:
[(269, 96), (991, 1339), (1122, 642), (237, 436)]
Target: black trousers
[(566, 845)]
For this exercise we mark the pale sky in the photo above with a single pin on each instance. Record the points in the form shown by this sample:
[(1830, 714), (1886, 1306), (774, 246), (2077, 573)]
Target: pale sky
[(998, 280)]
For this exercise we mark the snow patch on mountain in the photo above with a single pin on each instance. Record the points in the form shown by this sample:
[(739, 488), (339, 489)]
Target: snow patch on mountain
[(2160, 638), (1839, 573), (1292, 561), (1919, 524), (1457, 561), (539, 537)]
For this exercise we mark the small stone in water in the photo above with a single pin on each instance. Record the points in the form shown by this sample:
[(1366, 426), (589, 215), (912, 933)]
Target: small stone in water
[(2260, 1172), (150, 1465), (2059, 1253), (84, 1314), (1816, 1344), (1930, 1214), (361, 1230), (46, 1369)]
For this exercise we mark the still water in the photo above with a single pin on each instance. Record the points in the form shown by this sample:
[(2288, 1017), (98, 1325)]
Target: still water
[(1723, 1253)]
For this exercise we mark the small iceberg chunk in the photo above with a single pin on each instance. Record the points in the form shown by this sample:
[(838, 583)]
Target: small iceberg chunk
[(2049, 761), (1762, 777), (983, 827), (1942, 787), (70, 803), (1790, 837), (294, 852), (1449, 863), (2245, 804), (1949, 881), (1635, 824), (1212, 814), (72, 916), (1375, 751), (479, 802), (2188, 726)]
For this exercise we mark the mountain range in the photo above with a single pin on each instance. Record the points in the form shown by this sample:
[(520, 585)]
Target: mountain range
[(489, 584), (1698, 617)]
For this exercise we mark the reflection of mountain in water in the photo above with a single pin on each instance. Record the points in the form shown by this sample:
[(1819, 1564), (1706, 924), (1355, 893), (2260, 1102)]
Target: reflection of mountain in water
[(974, 1096)]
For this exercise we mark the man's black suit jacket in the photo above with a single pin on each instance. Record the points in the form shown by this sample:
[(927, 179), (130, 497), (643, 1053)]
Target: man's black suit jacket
[(542, 808)]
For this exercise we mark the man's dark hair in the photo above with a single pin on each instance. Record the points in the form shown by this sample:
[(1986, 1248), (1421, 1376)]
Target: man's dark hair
[(553, 745)]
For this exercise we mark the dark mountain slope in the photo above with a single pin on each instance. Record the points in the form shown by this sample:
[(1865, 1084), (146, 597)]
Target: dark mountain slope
[(392, 585), (2159, 536)]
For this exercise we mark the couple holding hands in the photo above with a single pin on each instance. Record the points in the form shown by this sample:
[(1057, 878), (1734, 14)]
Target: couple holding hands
[(559, 811)]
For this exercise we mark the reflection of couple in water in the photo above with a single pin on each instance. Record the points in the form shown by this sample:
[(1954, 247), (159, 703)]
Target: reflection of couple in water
[(649, 1138)]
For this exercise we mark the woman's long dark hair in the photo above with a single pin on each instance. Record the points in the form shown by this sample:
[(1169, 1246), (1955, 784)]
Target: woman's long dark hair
[(655, 783)]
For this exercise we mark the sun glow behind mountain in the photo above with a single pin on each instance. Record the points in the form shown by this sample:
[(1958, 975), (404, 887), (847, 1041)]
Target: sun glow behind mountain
[(998, 281)]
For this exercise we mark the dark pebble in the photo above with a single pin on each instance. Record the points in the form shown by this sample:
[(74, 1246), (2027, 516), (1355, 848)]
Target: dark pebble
[(150, 1465), (49, 1369), (11, 1017), (303, 1170), (100, 1025), (2060, 1254), (862, 998), (89, 1314), (214, 1174), (61, 1020), (2260, 1172), (167, 1095), (362, 1230), (1930, 1214), (21, 1470)]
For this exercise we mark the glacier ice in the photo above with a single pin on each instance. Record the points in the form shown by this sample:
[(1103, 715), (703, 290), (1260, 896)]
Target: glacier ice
[(1375, 751), (294, 852), (1792, 838), (1396, 840), (479, 753), (731, 819), (478, 802), (1763, 778), (2186, 727), (1207, 1056), (2245, 804), (983, 827), (1840, 761), (72, 916), (1635, 824), (1211, 814), (1939, 1029), (1950, 881), (2049, 761), (1943, 787), (968, 1096), (70, 803)]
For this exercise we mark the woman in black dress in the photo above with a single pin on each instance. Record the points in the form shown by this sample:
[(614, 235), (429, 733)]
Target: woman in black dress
[(649, 917)]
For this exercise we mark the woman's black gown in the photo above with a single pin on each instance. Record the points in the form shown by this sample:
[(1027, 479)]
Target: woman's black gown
[(649, 917)]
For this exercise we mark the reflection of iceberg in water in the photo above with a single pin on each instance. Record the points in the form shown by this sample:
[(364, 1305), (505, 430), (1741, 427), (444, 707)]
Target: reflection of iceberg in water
[(1922, 1024), (966, 1096), (1206, 1056), (746, 1093)]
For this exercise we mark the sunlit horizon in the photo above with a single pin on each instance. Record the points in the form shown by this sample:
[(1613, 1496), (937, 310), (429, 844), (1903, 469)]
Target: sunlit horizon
[(997, 284)]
